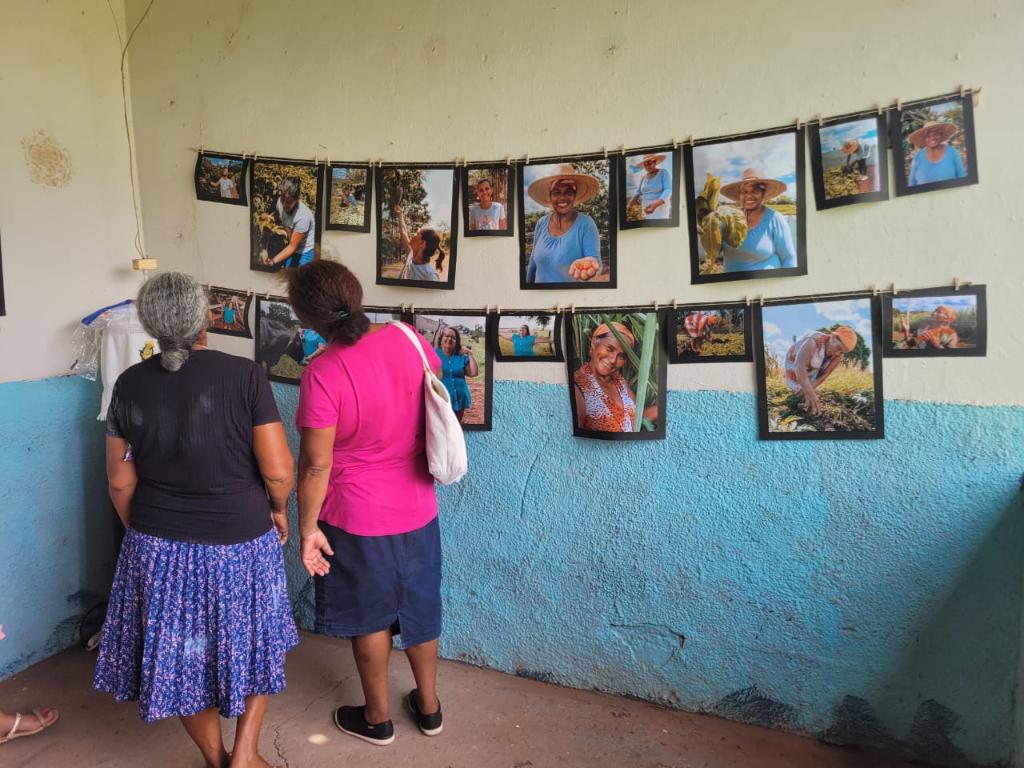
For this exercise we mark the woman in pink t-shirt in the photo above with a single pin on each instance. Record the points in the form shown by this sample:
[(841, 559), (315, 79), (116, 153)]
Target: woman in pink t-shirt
[(367, 508)]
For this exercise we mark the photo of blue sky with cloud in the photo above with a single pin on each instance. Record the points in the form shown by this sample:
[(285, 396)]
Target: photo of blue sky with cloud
[(775, 156), (785, 323), (533, 172)]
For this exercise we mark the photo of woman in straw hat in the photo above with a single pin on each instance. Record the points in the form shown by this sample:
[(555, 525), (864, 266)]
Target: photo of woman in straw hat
[(849, 161), (933, 145), (819, 368), (566, 224), (746, 218), (650, 193)]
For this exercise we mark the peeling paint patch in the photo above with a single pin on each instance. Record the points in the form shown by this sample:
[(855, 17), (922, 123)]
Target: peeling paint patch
[(49, 164), (529, 674), (749, 705), (854, 722)]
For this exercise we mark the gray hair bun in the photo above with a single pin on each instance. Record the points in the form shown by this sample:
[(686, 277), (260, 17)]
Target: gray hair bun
[(173, 308)]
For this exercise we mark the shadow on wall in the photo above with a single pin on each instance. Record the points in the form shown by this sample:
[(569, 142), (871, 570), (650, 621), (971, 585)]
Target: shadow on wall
[(959, 655)]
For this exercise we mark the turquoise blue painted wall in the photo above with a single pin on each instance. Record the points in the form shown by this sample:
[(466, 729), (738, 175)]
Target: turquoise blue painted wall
[(864, 592), (56, 524)]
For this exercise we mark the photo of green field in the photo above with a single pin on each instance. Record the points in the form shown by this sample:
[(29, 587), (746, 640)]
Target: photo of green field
[(349, 189), (927, 320), (842, 383), (700, 336)]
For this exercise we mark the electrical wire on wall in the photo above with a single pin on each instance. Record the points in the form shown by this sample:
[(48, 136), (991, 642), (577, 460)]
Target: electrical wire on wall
[(143, 263)]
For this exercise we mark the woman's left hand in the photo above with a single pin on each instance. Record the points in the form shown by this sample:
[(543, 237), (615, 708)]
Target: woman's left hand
[(585, 268), (280, 520)]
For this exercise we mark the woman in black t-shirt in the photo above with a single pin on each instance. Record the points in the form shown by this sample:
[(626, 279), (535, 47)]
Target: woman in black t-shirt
[(200, 473)]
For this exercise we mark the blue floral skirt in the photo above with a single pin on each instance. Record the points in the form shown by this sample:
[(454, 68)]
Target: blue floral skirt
[(193, 626)]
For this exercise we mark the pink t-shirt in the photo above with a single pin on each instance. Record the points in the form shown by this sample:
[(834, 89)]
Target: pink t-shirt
[(372, 393)]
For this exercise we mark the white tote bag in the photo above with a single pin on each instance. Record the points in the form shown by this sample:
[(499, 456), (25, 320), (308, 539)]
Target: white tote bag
[(446, 444)]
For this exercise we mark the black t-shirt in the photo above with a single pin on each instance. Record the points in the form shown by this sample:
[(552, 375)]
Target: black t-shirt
[(191, 435)]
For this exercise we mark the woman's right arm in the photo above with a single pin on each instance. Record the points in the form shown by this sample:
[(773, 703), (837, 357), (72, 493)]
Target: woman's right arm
[(316, 457), (270, 447), (121, 477), (403, 233)]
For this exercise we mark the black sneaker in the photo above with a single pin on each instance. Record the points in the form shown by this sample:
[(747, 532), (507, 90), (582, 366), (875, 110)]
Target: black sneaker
[(430, 725), (352, 720)]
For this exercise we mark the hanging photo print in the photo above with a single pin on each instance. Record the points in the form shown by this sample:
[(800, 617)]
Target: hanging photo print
[(460, 339), (936, 322), (284, 229), (417, 209), (746, 213), (819, 369), (526, 338), (3, 305), (849, 161), (567, 224), (284, 347), (933, 144), (349, 195), (221, 178), (650, 189), (488, 205), (617, 374), (718, 334), (229, 312), (381, 316)]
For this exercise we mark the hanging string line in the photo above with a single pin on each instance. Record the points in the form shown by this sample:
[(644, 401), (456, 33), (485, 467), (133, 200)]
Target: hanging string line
[(603, 154)]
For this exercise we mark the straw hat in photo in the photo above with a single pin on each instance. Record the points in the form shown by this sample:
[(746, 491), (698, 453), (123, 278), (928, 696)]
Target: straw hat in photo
[(850, 146), (658, 159), (586, 185), (773, 187), (948, 131)]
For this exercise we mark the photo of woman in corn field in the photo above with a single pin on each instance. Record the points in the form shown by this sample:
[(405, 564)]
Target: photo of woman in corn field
[(286, 206), (416, 209), (349, 195), (747, 214), (819, 369), (710, 334), (933, 145), (618, 371), (849, 161), (936, 322), (567, 224), (221, 178), (650, 189)]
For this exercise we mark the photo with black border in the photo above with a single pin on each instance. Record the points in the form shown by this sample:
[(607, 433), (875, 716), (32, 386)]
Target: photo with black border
[(605, 358), (770, 173), (719, 333), (587, 211), (472, 331), (221, 178), (933, 144), (349, 197), (649, 194), (417, 217), (542, 342), (271, 225), (498, 195), (936, 322), (849, 160), (283, 346), (228, 314), (819, 368)]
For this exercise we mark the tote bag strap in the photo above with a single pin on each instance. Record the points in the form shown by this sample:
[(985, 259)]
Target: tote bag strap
[(414, 341)]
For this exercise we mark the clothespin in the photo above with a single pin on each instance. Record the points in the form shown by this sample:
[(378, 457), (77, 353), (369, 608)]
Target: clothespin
[(328, 161), (963, 91), (606, 152), (956, 280), (879, 108), (675, 304), (821, 121), (412, 309), (508, 160), (622, 149), (266, 296), (255, 156), (655, 306), (527, 158), (976, 96), (875, 290), (200, 150), (558, 309), (675, 143), (899, 105), (894, 291), (572, 309), (748, 299), (498, 310), (761, 299), (798, 123)]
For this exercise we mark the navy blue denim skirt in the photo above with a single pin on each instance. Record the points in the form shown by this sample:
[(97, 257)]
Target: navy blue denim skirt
[(382, 582)]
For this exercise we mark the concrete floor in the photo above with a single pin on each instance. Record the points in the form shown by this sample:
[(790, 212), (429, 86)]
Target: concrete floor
[(491, 719)]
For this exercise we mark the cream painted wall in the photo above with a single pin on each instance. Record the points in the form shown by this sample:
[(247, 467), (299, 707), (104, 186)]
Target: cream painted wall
[(433, 80), (67, 249)]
